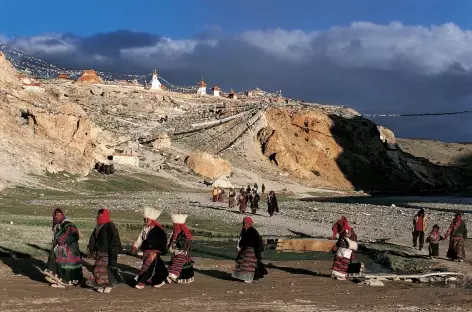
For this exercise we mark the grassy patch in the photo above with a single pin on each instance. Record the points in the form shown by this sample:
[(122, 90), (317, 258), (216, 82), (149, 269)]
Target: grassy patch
[(64, 185), (26, 227), (397, 258)]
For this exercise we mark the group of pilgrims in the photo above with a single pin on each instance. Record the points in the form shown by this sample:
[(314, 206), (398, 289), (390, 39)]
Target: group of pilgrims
[(457, 231), (64, 266), (346, 245), (251, 196)]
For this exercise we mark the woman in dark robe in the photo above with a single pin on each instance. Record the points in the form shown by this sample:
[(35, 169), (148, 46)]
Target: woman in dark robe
[(181, 265), (458, 233), (153, 242), (249, 264), (104, 246), (64, 267), (344, 249), (242, 201), (272, 205), (255, 202)]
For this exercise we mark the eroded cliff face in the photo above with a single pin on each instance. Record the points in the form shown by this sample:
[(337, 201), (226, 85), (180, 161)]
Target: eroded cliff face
[(40, 132), (328, 150)]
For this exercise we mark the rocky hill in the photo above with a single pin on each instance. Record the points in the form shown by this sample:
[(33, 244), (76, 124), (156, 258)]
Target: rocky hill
[(60, 125), (42, 133), (348, 153)]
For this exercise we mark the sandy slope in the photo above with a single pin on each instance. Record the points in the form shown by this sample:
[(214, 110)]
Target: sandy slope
[(447, 154)]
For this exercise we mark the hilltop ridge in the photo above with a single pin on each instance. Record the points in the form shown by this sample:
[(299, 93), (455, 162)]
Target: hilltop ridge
[(62, 125)]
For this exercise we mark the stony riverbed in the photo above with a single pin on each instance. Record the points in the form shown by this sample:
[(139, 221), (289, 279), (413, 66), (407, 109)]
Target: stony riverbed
[(372, 218)]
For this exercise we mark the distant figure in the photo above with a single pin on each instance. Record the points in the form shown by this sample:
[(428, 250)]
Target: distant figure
[(249, 264), (255, 202), (263, 188), (64, 267), (248, 189), (419, 227), (256, 187), (220, 194), (249, 198), (242, 202), (433, 239), (272, 205), (232, 198), (458, 232), (215, 194)]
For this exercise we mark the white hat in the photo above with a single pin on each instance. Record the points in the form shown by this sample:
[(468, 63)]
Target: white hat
[(151, 213), (178, 218)]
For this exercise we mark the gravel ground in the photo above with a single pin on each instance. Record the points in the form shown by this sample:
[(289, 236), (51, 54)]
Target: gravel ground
[(372, 218)]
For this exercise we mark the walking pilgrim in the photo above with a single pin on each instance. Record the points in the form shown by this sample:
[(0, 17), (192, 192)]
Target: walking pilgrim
[(153, 242), (272, 205), (434, 237), (232, 198), (457, 232), (64, 267), (249, 264), (255, 198), (344, 249), (242, 201), (104, 247), (419, 228), (181, 265)]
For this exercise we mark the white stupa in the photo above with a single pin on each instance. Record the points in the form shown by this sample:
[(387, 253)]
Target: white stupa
[(202, 88), (216, 91), (155, 84)]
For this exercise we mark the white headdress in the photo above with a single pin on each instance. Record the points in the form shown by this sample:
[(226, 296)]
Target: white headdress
[(178, 218), (151, 213)]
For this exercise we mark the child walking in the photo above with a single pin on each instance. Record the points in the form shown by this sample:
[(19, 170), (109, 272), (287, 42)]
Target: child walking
[(433, 239)]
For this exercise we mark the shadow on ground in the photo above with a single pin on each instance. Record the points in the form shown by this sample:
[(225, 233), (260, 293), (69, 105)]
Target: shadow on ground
[(23, 264), (26, 265), (224, 276)]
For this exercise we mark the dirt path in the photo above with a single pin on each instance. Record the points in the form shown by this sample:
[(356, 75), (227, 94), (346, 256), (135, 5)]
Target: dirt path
[(290, 286)]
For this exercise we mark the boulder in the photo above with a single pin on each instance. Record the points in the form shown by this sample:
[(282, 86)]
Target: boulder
[(372, 282), (162, 141), (207, 165)]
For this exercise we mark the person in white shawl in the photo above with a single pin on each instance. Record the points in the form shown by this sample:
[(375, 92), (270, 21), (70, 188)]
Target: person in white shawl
[(153, 242), (344, 249)]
